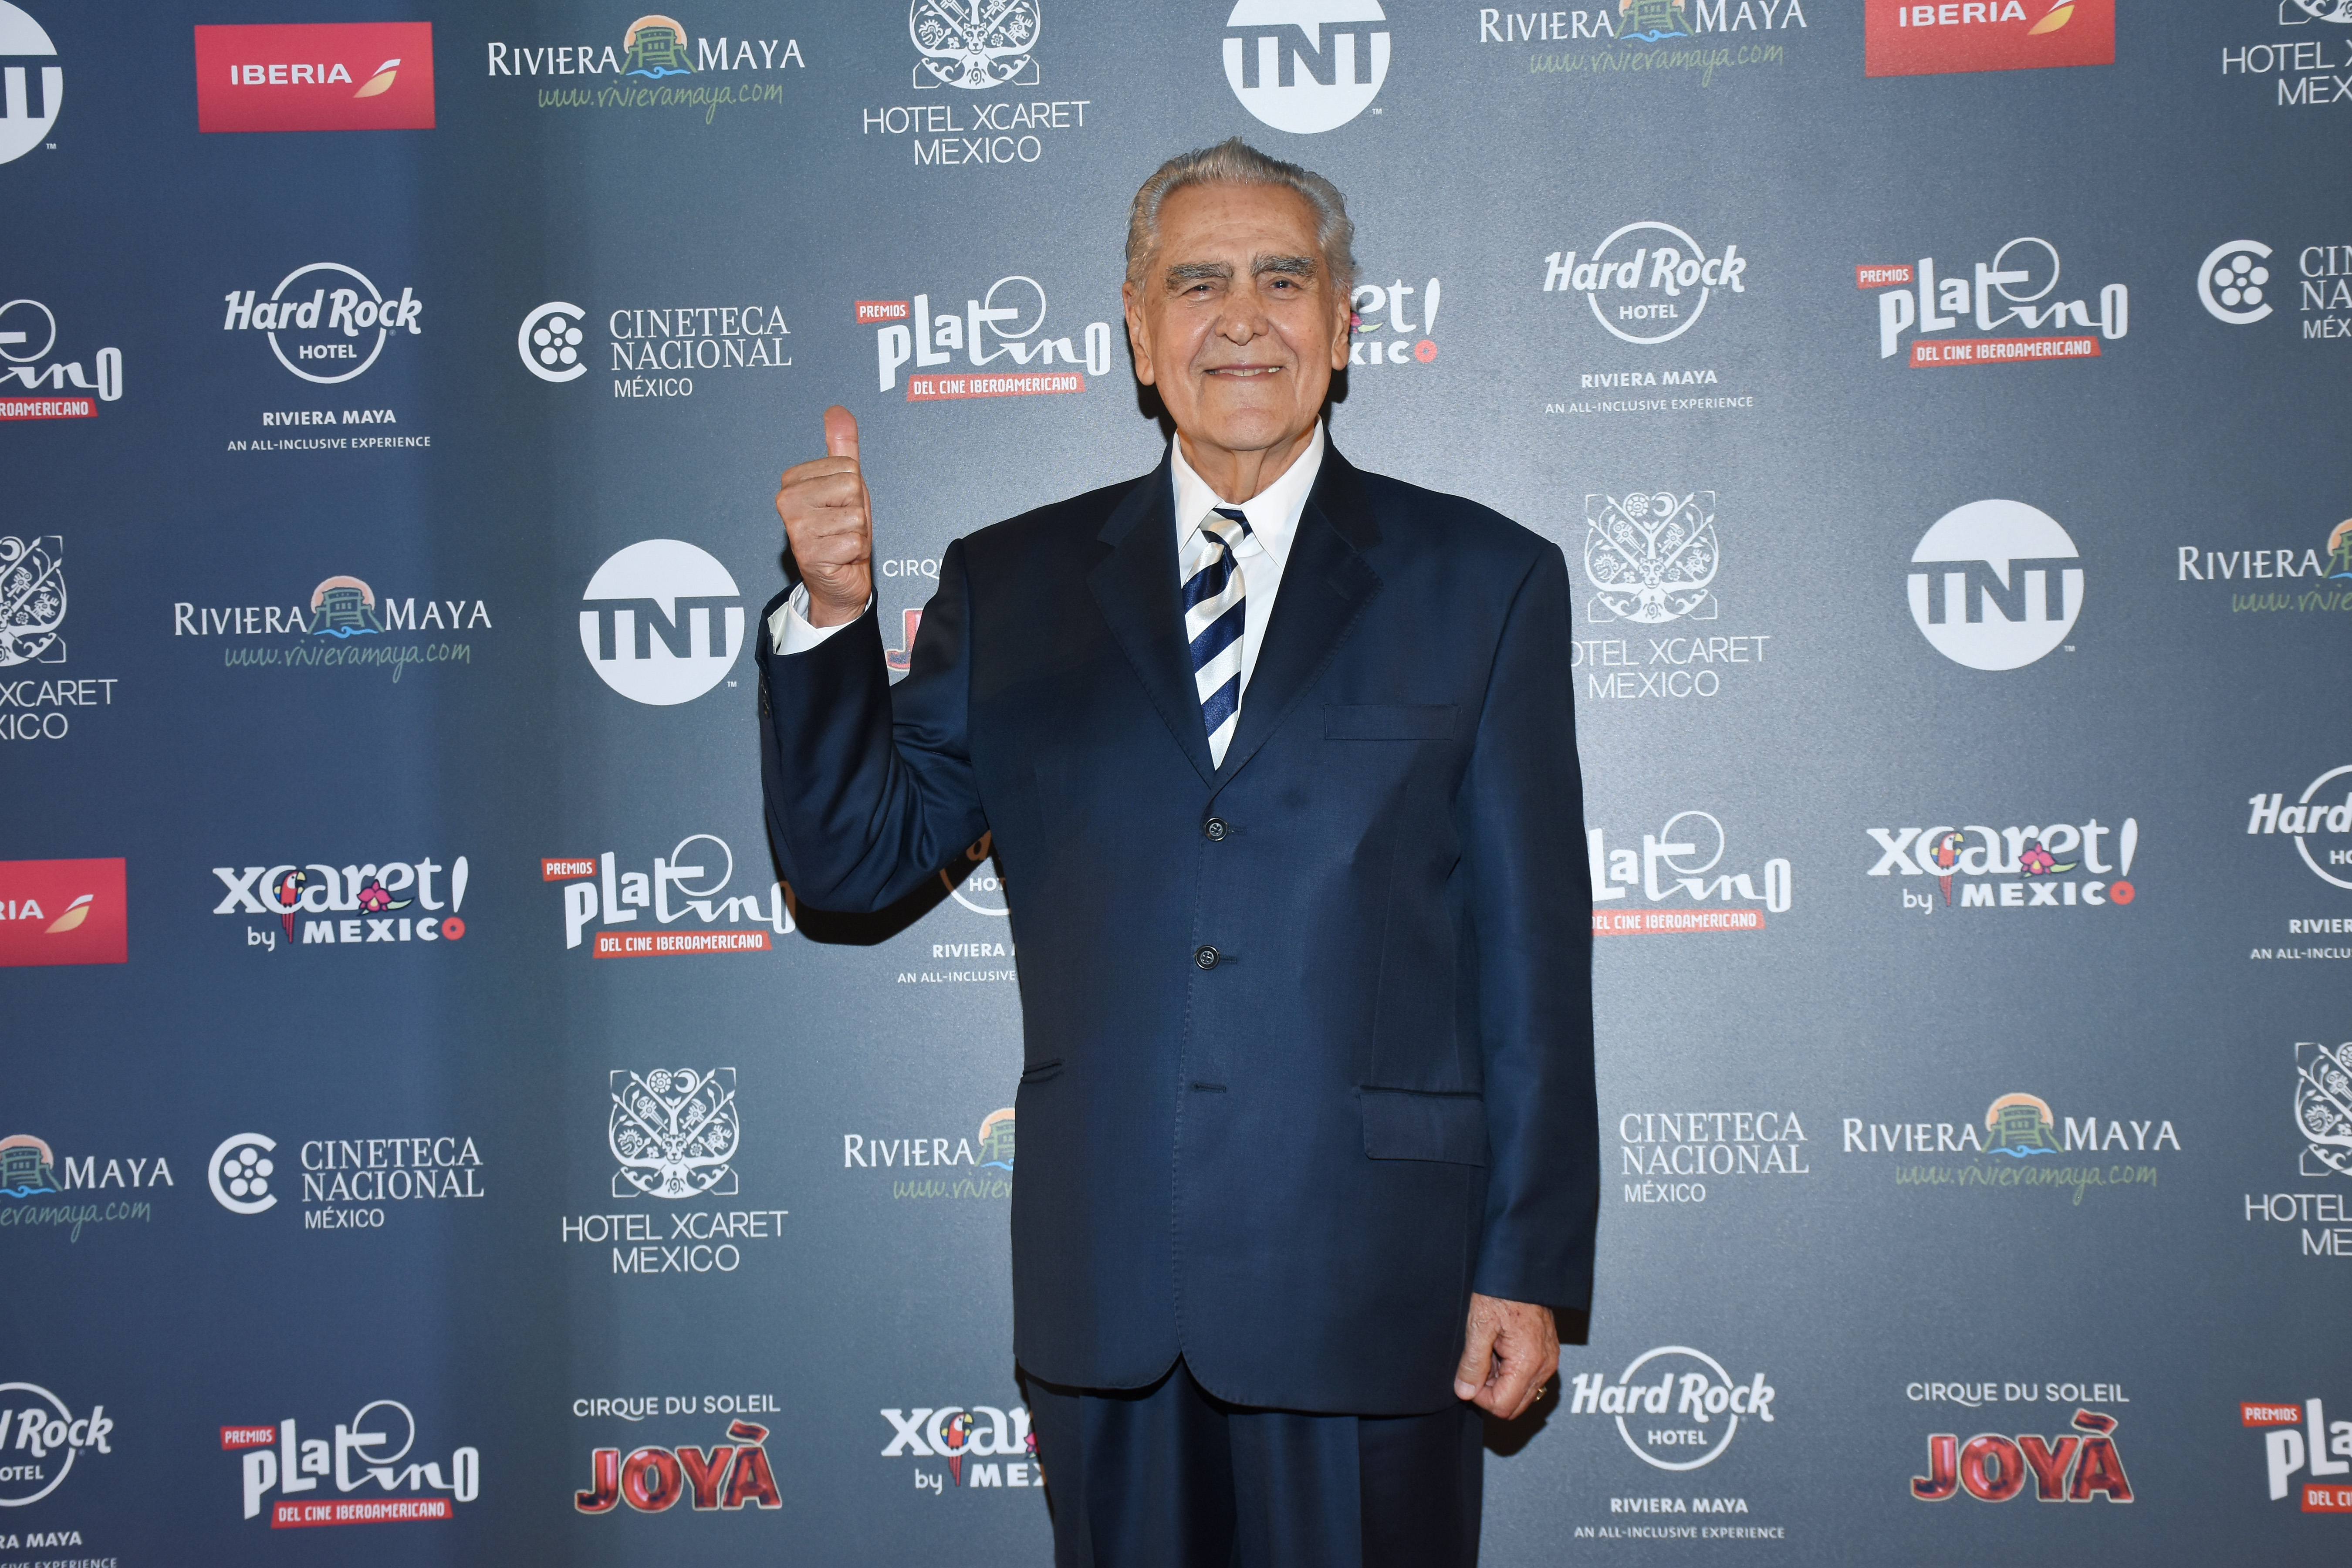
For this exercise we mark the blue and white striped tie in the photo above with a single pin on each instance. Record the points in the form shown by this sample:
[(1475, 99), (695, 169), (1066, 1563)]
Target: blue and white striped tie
[(1214, 614)]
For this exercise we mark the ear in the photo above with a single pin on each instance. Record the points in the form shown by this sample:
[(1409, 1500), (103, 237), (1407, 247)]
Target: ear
[(1139, 334), (1346, 329)]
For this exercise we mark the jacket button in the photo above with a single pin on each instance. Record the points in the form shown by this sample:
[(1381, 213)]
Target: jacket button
[(1215, 828), (1206, 957)]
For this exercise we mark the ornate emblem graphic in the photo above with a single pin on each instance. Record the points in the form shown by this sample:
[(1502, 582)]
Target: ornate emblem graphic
[(32, 600), (975, 43), (674, 1131), (2322, 1107), (1651, 555)]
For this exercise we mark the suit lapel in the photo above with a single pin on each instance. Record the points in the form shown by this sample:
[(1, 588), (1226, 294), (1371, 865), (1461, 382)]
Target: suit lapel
[(1136, 587), (1325, 585)]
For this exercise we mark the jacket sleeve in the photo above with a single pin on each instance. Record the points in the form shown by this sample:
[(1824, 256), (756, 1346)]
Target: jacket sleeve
[(869, 787), (1530, 909)]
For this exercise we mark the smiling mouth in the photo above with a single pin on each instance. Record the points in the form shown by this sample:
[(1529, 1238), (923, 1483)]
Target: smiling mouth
[(1243, 371)]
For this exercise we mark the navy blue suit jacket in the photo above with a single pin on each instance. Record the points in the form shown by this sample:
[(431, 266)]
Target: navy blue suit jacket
[(1291, 1167)]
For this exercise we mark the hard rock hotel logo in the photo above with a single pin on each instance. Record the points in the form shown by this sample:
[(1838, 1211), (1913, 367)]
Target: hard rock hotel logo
[(2311, 817), (1647, 282), (44, 1437), (333, 319), (1685, 1406)]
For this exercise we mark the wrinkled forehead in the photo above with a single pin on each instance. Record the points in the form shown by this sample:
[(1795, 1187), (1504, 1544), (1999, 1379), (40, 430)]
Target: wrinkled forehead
[(1236, 223)]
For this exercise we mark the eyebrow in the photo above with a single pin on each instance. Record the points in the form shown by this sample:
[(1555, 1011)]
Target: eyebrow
[(1185, 273), (1296, 266)]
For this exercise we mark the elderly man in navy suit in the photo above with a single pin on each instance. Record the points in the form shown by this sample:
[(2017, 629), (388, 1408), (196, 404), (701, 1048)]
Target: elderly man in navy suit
[(1279, 759)]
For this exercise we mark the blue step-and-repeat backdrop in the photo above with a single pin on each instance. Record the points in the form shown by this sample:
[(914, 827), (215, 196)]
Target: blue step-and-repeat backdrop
[(431, 1134)]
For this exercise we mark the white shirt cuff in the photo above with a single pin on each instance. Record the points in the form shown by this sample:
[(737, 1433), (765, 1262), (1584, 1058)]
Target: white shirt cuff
[(789, 629)]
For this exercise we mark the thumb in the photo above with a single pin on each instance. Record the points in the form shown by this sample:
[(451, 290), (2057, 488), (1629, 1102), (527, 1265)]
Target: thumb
[(840, 432), (1477, 1357)]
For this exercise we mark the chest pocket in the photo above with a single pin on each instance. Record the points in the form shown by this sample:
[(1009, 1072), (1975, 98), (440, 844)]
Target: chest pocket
[(1389, 722)]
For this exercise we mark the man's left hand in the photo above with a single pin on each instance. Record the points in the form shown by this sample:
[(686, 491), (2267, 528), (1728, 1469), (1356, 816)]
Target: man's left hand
[(1509, 1354)]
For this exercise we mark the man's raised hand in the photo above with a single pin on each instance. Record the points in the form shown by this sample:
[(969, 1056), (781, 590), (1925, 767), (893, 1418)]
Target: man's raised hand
[(829, 522)]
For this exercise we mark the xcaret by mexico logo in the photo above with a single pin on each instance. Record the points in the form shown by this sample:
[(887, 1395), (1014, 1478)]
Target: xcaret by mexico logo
[(40, 1438), (664, 624), (971, 1439), (1991, 1467), (1306, 66), (1995, 584), (1380, 309), (2299, 1439), (688, 883), (1003, 327), (367, 1453), (32, 86), (1904, 38), (2054, 866), (1683, 859), (2016, 290), (318, 76), (28, 335), (63, 911), (394, 901)]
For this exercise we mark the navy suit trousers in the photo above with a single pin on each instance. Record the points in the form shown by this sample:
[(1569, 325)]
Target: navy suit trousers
[(1172, 1476)]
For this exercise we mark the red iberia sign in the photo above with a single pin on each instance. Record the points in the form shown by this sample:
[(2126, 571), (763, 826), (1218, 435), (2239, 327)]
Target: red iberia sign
[(63, 911), (316, 76), (1901, 37)]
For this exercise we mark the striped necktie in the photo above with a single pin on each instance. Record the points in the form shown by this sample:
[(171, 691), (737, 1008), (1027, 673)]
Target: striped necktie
[(1214, 614)]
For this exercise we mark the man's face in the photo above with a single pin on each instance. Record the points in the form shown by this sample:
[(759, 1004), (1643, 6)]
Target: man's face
[(1237, 320)]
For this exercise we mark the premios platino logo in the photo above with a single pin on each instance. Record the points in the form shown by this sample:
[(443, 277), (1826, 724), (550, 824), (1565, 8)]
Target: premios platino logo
[(28, 332)]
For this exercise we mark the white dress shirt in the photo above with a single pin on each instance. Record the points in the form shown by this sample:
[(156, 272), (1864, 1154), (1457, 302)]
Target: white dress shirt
[(1273, 514)]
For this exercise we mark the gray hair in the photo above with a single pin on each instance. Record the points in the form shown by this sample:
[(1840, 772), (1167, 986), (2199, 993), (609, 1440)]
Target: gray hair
[(1235, 163)]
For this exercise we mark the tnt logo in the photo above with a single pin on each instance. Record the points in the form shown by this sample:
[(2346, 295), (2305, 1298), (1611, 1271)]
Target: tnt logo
[(1299, 66), (1994, 585), (664, 622)]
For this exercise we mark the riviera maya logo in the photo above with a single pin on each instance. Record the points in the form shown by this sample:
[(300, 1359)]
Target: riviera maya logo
[(1652, 556), (2021, 1126), (27, 1166), (343, 607), (1653, 21), (676, 1132), (975, 44), (32, 600), (2322, 1107), (656, 47)]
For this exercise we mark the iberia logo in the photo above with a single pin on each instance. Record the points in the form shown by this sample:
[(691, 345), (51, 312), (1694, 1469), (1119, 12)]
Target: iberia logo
[(1905, 39), (62, 911), (322, 76)]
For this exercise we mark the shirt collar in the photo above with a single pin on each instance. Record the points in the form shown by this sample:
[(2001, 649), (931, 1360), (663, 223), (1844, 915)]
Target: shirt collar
[(1273, 512)]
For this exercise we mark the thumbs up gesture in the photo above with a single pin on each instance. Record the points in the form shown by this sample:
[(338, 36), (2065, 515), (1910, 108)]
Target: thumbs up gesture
[(829, 522)]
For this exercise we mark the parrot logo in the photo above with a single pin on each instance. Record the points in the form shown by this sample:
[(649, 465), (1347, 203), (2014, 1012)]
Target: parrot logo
[(955, 1434), (287, 894), (1944, 853)]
